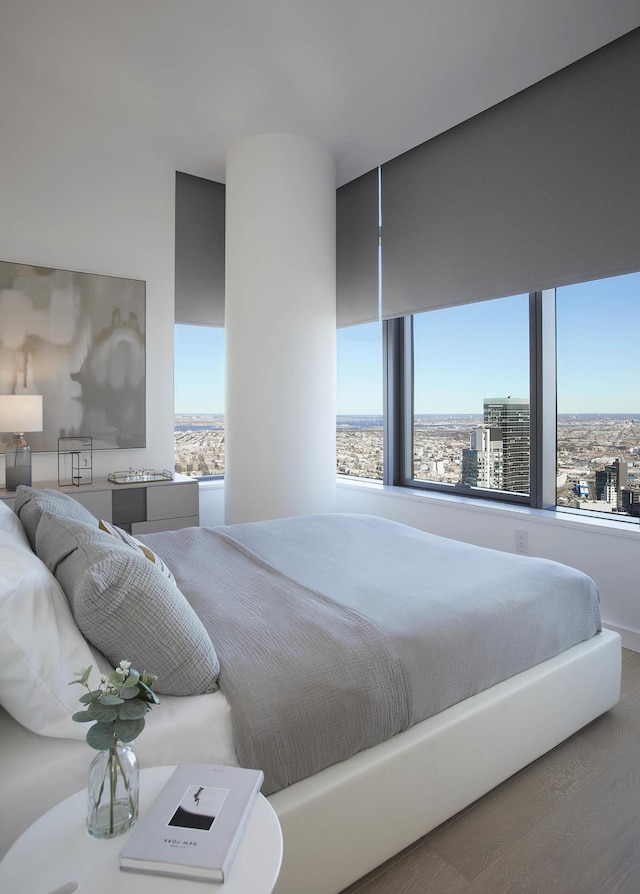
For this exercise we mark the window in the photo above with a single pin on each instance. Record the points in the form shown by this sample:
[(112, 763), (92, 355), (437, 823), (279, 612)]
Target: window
[(598, 439), (199, 401), (532, 399), (470, 425), (359, 429)]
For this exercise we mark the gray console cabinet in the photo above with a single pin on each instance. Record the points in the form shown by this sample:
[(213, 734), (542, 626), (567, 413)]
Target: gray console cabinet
[(138, 508)]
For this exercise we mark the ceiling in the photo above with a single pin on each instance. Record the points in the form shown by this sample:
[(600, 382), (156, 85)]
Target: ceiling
[(180, 81)]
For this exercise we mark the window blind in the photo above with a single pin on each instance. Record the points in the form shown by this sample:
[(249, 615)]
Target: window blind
[(542, 190), (199, 251), (357, 236)]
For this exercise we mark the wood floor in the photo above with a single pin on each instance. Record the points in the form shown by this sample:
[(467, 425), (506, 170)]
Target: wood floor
[(567, 824)]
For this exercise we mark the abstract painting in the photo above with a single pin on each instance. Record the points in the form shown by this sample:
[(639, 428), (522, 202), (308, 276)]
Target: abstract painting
[(79, 340)]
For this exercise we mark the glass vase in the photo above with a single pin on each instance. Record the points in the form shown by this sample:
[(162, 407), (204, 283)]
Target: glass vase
[(112, 791)]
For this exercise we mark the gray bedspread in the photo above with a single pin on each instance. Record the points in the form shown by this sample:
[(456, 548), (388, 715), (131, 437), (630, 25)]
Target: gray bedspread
[(335, 632)]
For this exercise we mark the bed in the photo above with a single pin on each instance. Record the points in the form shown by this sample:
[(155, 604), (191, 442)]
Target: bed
[(512, 648)]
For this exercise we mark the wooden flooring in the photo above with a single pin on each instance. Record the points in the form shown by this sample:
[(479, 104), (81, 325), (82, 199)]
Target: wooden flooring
[(567, 824)]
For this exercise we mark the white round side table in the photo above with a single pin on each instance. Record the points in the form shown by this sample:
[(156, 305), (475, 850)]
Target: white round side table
[(56, 855)]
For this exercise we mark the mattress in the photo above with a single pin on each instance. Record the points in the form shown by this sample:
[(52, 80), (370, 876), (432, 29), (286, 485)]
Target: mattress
[(337, 632)]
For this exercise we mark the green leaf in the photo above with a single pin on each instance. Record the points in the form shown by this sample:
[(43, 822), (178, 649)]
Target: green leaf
[(133, 678), (128, 730), (89, 697), (102, 713), (149, 694), (132, 710), (115, 679), (83, 676), (101, 736), (108, 699), (82, 716), (148, 679), (131, 692)]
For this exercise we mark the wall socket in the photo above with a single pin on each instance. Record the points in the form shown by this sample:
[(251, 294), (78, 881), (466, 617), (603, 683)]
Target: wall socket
[(522, 542)]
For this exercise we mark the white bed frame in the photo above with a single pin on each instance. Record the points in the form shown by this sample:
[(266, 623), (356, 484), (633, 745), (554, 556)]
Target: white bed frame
[(346, 820), (350, 818)]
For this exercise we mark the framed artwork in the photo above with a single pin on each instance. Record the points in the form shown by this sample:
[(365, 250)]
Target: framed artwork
[(79, 340)]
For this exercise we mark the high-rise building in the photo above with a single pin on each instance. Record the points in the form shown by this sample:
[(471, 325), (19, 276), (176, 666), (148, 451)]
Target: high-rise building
[(630, 500), (482, 461), (512, 416), (610, 483)]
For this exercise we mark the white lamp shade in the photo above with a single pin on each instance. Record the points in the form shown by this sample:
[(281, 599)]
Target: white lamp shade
[(20, 412)]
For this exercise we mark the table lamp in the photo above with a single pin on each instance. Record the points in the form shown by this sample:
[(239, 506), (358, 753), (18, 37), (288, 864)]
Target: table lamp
[(19, 413)]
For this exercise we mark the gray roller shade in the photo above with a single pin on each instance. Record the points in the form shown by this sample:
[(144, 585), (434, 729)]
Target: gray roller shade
[(199, 245), (357, 251), (542, 190)]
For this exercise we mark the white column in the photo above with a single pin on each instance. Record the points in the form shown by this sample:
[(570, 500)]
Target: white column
[(280, 329)]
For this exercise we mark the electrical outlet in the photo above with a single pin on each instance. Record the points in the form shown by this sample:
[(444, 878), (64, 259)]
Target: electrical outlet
[(522, 542)]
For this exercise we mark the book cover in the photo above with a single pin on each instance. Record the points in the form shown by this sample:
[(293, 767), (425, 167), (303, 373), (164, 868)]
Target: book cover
[(194, 827)]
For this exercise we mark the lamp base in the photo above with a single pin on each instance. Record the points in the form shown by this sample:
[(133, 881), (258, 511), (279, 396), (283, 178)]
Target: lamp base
[(17, 463)]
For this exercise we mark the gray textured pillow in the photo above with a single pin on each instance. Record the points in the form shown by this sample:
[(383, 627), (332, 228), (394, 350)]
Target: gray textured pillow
[(134, 543), (31, 502), (127, 608)]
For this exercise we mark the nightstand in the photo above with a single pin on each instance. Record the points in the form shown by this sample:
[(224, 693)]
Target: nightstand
[(56, 855)]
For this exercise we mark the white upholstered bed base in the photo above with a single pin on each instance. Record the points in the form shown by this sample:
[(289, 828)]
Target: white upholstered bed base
[(349, 818)]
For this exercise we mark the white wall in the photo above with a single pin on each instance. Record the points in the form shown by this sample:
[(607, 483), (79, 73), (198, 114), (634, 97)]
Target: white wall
[(69, 206), (609, 552)]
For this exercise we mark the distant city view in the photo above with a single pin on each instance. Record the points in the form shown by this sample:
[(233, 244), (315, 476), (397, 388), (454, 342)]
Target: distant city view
[(199, 444), (462, 435), (598, 454)]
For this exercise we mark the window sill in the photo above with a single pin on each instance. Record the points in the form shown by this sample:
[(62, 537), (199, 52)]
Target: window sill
[(565, 518), (210, 483)]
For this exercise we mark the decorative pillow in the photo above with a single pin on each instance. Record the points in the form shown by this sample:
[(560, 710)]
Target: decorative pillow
[(31, 502), (41, 647), (130, 540), (127, 608), (10, 523)]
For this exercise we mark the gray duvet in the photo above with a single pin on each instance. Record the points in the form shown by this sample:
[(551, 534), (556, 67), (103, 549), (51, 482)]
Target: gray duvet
[(335, 632)]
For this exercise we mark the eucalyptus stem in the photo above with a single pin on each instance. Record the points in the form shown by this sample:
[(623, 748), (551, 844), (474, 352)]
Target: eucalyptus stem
[(113, 773), (117, 709), (125, 779)]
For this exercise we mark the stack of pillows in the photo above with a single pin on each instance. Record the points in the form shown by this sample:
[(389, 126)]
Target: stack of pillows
[(123, 598)]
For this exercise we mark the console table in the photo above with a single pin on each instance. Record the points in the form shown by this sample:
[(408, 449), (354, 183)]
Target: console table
[(56, 855), (140, 508)]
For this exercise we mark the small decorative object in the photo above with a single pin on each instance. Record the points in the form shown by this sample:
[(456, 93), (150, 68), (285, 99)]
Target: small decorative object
[(135, 476), (75, 461), (118, 708), (19, 413)]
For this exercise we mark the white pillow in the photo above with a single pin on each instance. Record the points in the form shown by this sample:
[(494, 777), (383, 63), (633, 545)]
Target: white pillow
[(41, 647), (10, 522)]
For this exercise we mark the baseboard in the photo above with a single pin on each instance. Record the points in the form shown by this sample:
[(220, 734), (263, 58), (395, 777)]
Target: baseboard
[(630, 638)]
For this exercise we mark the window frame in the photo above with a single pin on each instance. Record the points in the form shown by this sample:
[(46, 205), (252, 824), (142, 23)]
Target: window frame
[(543, 459), (399, 408)]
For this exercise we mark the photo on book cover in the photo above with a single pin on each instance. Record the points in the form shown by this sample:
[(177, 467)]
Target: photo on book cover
[(199, 807)]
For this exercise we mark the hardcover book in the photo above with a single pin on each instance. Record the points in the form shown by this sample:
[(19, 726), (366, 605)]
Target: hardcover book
[(194, 827)]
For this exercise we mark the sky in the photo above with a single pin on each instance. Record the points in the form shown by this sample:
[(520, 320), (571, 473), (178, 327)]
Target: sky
[(198, 369), (465, 354)]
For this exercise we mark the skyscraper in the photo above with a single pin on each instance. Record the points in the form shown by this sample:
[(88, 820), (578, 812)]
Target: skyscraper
[(512, 416), (611, 481), (482, 461)]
